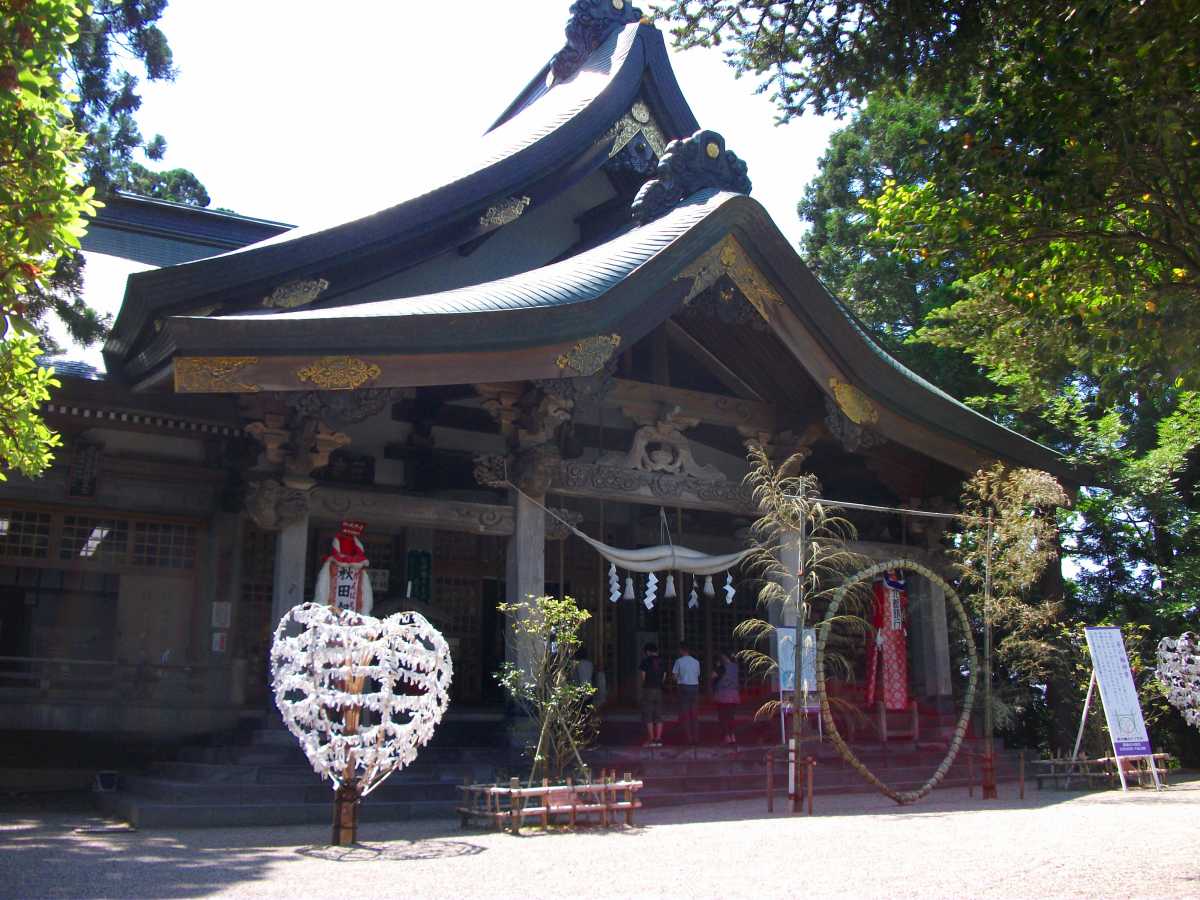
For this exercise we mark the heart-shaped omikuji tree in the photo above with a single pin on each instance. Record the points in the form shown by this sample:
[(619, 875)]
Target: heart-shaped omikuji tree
[(1179, 670), (361, 694)]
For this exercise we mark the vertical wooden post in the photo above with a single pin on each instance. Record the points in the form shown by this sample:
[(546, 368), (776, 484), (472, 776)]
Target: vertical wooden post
[(545, 804), (345, 816), (628, 799), (1021, 774), (989, 744), (514, 803), (770, 781), (811, 764)]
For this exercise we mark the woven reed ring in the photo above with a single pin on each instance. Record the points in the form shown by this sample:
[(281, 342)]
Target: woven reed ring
[(909, 565)]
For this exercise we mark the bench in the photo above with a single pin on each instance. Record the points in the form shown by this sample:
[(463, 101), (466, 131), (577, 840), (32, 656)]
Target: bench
[(508, 806)]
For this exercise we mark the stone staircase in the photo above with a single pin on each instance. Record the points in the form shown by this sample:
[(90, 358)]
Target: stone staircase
[(261, 777)]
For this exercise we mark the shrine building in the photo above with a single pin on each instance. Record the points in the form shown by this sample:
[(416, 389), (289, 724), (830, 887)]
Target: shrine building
[(603, 323)]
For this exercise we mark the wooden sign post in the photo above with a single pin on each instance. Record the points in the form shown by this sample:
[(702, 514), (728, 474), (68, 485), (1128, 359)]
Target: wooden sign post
[(1122, 709)]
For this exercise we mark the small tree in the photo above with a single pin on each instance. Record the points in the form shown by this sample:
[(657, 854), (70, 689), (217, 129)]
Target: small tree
[(1009, 536), (545, 688), (801, 556)]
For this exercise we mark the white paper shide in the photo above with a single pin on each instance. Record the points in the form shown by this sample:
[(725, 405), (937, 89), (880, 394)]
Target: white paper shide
[(1179, 671), (361, 694)]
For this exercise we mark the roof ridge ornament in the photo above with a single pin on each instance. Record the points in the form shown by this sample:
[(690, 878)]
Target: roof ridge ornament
[(690, 165), (591, 22)]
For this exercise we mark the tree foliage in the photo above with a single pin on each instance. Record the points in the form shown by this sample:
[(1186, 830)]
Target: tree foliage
[(794, 518), (42, 207), (1018, 184), (544, 687)]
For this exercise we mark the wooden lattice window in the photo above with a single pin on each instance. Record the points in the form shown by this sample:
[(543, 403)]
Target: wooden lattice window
[(24, 534), (458, 601), (89, 538), (164, 545)]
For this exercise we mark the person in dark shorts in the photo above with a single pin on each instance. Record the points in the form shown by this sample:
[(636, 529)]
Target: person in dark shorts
[(653, 671)]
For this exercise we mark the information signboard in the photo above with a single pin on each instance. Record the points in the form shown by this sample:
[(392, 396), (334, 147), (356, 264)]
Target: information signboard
[(1122, 710), (786, 638)]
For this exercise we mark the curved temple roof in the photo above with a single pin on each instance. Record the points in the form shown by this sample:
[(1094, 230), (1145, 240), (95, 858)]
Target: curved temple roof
[(551, 321), (550, 129), (624, 287)]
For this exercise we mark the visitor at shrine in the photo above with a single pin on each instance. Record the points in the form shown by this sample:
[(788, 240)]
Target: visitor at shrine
[(653, 672), (725, 694), (687, 675)]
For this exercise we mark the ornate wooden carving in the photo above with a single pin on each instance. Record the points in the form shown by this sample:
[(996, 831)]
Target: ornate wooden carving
[(213, 375), (857, 407), (272, 505), (690, 165), (729, 257), (635, 486), (591, 22), (296, 293), (505, 212), (590, 355), (339, 373)]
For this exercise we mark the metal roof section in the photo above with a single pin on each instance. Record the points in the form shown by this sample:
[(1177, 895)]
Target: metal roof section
[(625, 287), (541, 137)]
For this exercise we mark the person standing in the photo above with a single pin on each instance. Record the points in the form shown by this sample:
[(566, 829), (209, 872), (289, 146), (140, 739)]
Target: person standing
[(725, 694), (652, 673), (687, 675)]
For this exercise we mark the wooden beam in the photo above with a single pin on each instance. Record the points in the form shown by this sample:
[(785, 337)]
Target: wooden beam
[(646, 403), (684, 340)]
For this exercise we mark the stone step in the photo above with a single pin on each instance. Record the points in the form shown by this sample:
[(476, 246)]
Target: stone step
[(161, 790), (143, 814)]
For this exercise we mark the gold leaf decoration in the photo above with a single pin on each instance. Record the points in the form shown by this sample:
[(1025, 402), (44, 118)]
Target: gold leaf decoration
[(339, 373), (296, 293), (730, 258), (857, 407), (590, 355), (505, 212), (213, 375)]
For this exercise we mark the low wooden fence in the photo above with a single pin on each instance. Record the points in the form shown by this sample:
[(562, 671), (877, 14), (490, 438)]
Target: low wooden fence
[(510, 806)]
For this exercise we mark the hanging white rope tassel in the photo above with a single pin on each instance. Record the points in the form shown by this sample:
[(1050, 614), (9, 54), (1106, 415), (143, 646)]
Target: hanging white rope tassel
[(628, 595), (693, 597), (669, 591), (614, 583), (729, 590), (709, 590), (651, 590)]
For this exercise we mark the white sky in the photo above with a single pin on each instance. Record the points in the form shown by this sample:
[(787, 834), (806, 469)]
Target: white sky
[(314, 112)]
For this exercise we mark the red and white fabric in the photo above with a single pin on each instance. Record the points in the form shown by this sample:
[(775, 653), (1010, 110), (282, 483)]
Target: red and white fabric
[(342, 581), (887, 652)]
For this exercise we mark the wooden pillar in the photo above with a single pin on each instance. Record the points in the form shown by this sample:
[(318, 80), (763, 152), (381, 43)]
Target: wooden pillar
[(938, 684), (291, 551), (526, 575)]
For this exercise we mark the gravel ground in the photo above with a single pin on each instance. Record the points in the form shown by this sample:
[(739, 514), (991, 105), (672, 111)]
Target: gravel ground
[(1051, 844)]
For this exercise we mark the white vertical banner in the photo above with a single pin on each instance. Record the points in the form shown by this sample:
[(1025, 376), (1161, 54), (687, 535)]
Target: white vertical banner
[(1122, 709)]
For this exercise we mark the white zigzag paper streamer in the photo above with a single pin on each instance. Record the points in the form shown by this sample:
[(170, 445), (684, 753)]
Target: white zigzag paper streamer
[(402, 665)]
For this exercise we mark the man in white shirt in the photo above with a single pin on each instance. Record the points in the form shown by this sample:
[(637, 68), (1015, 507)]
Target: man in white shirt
[(687, 675)]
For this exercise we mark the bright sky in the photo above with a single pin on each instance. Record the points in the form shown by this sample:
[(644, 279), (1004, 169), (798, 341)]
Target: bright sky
[(314, 112)]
